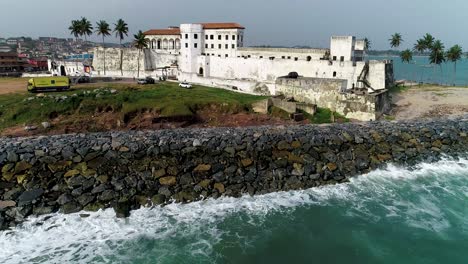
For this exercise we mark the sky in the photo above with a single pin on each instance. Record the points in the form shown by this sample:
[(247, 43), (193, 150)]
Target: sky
[(267, 22)]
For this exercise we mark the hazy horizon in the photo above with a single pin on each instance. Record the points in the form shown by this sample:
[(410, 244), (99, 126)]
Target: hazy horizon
[(267, 22)]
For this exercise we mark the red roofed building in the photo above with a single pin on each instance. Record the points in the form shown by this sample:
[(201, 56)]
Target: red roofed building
[(218, 39)]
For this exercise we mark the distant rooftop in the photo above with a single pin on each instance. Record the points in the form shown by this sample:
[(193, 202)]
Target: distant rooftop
[(176, 31)]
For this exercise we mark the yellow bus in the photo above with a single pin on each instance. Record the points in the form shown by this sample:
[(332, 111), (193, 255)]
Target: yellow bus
[(48, 83)]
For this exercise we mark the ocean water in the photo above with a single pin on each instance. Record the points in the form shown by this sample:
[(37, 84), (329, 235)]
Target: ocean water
[(395, 215), (420, 70)]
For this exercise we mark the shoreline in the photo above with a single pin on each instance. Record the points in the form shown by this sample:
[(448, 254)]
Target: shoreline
[(129, 170)]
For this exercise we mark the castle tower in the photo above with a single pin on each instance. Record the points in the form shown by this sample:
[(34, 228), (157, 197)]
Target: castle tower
[(191, 46)]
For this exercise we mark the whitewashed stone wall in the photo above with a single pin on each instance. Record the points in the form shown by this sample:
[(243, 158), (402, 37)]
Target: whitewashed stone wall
[(326, 93)]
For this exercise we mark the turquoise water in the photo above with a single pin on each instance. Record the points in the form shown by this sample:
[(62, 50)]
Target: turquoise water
[(420, 70), (396, 215)]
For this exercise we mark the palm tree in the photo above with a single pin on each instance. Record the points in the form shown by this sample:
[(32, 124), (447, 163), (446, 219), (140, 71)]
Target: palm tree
[(406, 56), (428, 40), (140, 42), (420, 46), (86, 28), (396, 40), (437, 56), (367, 45), (75, 28), (104, 30), (121, 30), (454, 54)]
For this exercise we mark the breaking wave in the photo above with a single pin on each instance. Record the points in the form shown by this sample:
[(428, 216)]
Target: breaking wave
[(429, 200)]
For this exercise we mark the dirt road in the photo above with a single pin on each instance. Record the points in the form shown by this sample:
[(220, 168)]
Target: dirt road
[(13, 85), (430, 102)]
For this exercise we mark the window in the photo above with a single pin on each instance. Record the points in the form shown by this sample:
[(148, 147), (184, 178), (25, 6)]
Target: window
[(227, 37), (200, 71), (342, 58), (261, 57), (289, 57), (233, 46), (309, 58), (186, 45), (206, 46), (227, 46), (186, 36), (296, 59), (212, 46), (334, 74), (283, 57), (233, 37), (219, 55), (211, 36), (195, 36), (219, 37), (206, 36), (248, 56), (227, 55), (334, 58), (219, 46), (195, 45)]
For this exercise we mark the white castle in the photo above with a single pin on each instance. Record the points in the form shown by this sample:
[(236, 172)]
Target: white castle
[(213, 54)]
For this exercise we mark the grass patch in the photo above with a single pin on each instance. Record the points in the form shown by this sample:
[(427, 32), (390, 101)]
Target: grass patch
[(324, 116), (165, 98), (398, 89)]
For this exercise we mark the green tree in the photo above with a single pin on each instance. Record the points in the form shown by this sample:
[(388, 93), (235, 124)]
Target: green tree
[(86, 28), (396, 40), (406, 56), (75, 28), (103, 30), (121, 31), (428, 40), (454, 54), (367, 45), (420, 46), (140, 42), (437, 56)]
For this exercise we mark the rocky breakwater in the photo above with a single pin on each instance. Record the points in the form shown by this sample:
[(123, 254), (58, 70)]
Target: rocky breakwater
[(127, 170)]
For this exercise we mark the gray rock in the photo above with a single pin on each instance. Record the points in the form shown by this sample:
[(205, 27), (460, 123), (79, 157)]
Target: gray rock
[(29, 197)]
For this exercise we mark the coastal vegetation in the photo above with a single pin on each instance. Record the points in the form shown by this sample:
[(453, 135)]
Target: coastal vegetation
[(103, 29), (140, 42), (433, 48)]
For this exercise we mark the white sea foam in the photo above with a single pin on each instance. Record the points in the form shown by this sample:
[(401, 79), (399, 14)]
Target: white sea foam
[(404, 196)]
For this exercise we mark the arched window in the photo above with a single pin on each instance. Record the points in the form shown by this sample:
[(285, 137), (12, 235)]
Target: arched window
[(159, 44), (177, 43), (153, 44), (334, 74), (165, 44), (309, 58), (200, 71), (171, 44)]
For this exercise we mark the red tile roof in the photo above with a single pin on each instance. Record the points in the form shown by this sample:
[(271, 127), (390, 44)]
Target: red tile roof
[(176, 31), (222, 26), (166, 31)]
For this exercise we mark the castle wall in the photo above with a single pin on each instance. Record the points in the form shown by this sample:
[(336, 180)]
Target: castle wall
[(267, 71), (327, 93), (282, 53), (150, 60)]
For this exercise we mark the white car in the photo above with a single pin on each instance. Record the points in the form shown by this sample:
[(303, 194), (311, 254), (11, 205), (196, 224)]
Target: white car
[(185, 85)]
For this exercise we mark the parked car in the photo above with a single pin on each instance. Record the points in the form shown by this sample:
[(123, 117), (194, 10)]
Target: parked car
[(185, 85), (147, 80)]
